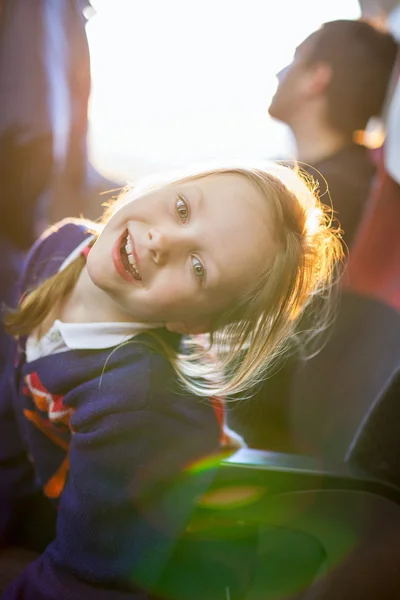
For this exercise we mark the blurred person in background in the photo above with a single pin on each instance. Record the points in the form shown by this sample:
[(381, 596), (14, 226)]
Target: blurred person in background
[(337, 81), (335, 84), (373, 275), (44, 92), (374, 265)]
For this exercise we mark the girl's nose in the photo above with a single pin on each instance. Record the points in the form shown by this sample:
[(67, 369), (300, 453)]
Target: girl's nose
[(160, 244)]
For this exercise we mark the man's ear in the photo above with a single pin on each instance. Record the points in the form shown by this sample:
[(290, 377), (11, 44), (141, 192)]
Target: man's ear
[(320, 78), (189, 328)]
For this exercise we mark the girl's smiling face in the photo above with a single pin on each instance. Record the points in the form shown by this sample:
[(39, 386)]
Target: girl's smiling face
[(182, 254)]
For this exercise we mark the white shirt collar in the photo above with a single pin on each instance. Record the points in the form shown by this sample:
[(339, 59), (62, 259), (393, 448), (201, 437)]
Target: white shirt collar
[(95, 336)]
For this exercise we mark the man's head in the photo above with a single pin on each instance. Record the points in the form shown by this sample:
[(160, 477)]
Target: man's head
[(339, 75)]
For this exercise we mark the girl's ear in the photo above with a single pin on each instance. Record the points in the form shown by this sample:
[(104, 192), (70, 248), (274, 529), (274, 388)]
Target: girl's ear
[(189, 328)]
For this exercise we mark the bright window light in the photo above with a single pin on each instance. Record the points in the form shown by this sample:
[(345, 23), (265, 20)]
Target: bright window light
[(188, 79)]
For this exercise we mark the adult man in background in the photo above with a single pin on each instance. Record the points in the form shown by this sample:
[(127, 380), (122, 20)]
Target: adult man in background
[(374, 265), (340, 392), (337, 81), (335, 84)]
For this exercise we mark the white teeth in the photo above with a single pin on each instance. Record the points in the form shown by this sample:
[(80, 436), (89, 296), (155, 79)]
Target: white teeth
[(128, 249)]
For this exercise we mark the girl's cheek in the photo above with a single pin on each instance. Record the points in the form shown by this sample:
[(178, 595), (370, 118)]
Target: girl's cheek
[(170, 290), (170, 295)]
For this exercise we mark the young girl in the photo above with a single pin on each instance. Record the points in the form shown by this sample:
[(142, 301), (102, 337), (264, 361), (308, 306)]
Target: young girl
[(94, 417)]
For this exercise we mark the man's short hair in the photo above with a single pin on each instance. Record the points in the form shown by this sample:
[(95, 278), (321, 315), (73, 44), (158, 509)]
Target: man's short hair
[(362, 59)]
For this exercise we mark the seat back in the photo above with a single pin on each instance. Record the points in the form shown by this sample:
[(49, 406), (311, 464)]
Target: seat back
[(317, 406), (376, 446), (333, 394)]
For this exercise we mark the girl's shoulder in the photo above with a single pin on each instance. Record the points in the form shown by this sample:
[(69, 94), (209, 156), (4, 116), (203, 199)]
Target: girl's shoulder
[(62, 238), (52, 248)]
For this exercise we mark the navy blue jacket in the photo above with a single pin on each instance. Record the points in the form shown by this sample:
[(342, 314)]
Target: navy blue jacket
[(121, 430)]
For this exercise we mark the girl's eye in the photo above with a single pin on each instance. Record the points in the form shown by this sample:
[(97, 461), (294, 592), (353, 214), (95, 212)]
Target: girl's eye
[(198, 268), (182, 208)]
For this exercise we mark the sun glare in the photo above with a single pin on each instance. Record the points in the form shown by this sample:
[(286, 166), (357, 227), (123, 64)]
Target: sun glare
[(176, 81)]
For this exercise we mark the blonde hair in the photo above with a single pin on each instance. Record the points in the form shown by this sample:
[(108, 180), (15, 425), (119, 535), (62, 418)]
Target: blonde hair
[(259, 326)]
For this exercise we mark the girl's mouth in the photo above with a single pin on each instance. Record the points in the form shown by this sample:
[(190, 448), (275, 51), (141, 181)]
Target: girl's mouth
[(124, 259), (127, 257)]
